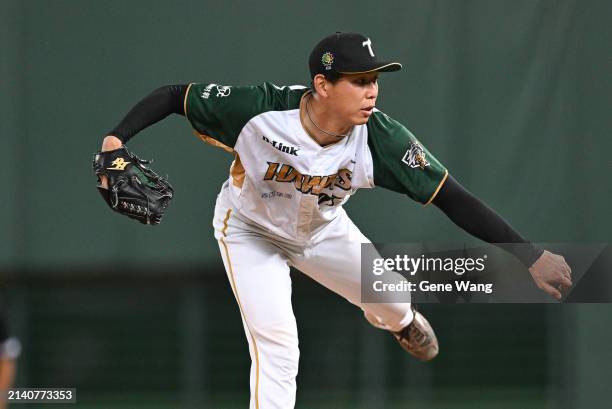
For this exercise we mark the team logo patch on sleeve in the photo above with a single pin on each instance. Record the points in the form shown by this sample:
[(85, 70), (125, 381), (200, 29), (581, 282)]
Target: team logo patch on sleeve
[(415, 156), (222, 91)]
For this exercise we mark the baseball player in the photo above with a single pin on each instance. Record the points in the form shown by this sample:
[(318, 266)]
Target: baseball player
[(299, 154), (10, 348)]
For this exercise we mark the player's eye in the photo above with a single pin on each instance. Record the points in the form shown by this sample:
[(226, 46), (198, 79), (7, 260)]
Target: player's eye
[(365, 81)]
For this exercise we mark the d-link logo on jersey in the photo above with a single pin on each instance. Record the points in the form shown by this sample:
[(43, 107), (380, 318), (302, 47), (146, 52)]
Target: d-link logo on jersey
[(291, 150)]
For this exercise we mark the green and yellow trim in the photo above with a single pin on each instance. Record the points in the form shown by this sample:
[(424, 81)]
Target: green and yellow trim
[(435, 193), (376, 69), (185, 100)]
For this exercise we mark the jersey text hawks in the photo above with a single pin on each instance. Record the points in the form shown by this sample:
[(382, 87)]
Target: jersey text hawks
[(307, 183), (262, 126)]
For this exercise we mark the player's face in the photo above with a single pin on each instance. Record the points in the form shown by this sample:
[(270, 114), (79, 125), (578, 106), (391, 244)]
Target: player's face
[(353, 97)]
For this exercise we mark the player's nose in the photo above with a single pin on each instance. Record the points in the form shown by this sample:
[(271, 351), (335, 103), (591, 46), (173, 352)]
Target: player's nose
[(372, 90)]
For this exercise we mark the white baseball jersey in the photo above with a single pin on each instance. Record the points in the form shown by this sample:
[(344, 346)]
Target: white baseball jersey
[(282, 206), (282, 179)]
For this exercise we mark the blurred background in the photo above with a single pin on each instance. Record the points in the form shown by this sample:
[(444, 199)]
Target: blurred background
[(513, 97)]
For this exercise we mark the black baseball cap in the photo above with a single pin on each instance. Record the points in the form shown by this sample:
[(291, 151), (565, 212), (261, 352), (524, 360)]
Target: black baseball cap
[(347, 53)]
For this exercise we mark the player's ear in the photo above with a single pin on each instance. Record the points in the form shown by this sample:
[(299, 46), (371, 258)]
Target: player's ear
[(320, 84)]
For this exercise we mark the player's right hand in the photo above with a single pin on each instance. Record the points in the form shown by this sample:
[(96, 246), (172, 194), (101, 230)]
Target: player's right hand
[(552, 274)]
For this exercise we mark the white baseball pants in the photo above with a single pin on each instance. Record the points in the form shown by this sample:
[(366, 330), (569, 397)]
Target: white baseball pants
[(257, 265)]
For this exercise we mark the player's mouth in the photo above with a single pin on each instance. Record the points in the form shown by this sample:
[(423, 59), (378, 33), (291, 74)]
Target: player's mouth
[(367, 111)]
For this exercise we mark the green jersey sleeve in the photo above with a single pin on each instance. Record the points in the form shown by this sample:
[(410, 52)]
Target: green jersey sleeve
[(221, 111), (400, 162)]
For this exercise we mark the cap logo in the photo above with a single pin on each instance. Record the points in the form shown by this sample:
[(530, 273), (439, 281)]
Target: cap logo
[(327, 60), (368, 44)]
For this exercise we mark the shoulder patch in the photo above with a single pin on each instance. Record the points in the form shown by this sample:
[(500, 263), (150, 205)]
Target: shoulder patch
[(221, 91), (415, 156)]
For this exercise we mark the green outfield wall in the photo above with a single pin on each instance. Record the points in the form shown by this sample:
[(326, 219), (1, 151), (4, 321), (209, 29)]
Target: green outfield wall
[(513, 97)]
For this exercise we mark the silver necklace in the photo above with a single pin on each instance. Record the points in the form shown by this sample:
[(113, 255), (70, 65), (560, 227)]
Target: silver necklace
[(336, 135)]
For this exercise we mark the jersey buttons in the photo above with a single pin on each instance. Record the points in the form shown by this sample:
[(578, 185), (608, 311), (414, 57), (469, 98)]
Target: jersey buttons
[(304, 217)]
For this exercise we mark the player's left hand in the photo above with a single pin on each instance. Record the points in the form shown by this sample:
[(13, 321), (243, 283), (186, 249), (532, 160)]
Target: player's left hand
[(552, 274), (131, 187)]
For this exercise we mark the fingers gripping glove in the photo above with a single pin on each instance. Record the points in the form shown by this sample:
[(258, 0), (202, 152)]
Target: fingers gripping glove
[(134, 189)]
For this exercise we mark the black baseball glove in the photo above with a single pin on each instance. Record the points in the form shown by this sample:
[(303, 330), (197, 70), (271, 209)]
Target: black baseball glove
[(134, 189)]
